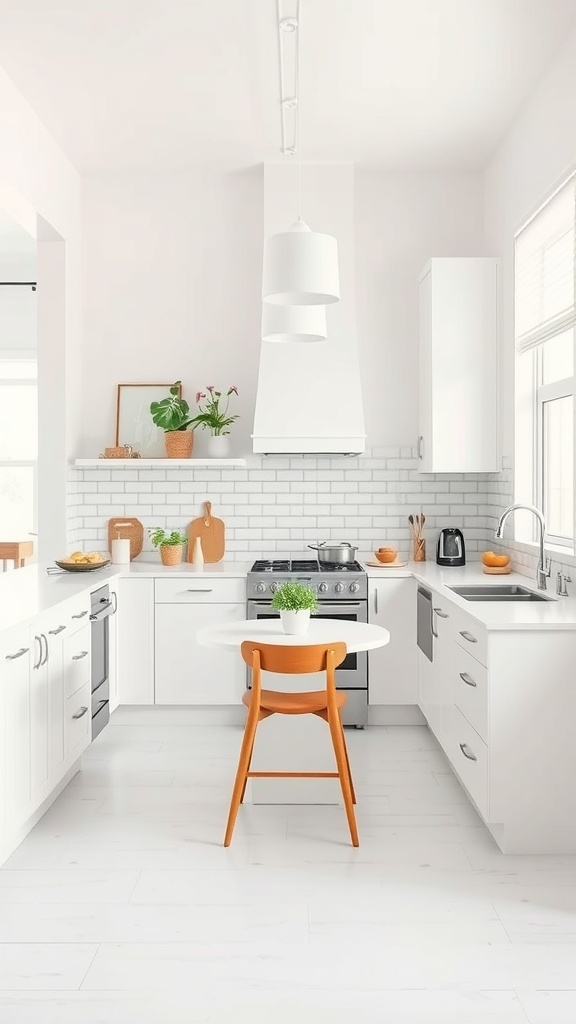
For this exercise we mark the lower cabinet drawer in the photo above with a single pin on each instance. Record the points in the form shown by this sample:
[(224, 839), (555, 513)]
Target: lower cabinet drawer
[(78, 722), (200, 589), (469, 756), (76, 661), (469, 687)]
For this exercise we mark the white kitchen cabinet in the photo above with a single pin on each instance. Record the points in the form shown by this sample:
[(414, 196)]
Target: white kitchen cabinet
[(458, 366), (187, 673), (135, 633), (393, 669), (15, 664), (39, 716), (113, 677)]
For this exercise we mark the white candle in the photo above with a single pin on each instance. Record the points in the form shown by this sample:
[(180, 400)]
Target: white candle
[(120, 551)]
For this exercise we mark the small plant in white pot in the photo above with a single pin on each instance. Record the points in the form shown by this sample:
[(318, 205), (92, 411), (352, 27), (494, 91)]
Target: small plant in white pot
[(295, 602)]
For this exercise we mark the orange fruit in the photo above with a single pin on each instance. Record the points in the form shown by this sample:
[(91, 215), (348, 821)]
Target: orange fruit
[(495, 561)]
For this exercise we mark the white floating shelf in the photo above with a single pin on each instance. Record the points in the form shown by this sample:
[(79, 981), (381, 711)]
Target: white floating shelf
[(159, 463)]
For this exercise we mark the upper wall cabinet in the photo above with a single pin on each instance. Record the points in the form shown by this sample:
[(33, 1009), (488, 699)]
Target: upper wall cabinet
[(458, 366)]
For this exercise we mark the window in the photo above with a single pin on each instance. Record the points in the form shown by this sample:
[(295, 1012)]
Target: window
[(545, 322), (18, 445)]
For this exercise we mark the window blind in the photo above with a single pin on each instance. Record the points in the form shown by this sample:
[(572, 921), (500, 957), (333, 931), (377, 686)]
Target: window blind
[(545, 271)]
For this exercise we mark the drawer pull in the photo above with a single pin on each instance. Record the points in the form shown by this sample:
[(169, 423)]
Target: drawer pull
[(467, 679), (81, 713), (200, 590), (463, 748), (441, 614), (23, 650), (77, 657), (80, 615), (468, 636), (54, 632)]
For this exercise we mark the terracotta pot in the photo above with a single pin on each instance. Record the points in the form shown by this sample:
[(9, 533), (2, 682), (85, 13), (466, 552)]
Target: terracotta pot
[(171, 554), (179, 443)]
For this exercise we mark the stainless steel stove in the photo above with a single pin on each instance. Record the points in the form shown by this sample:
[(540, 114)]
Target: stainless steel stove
[(342, 592)]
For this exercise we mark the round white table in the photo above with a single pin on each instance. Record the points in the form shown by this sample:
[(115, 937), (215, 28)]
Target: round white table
[(283, 744), (358, 636)]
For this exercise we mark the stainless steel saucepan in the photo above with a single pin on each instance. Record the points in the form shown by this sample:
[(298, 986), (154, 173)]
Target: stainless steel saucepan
[(334, 554)]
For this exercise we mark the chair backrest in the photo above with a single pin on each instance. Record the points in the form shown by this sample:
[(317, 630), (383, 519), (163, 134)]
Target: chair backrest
[(293, 661)]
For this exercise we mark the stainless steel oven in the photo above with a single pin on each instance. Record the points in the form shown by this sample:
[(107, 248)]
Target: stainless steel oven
[(352, 674), (102, 605)]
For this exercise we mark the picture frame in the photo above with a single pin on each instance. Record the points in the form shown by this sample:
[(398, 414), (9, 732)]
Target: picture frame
[(134, 424)]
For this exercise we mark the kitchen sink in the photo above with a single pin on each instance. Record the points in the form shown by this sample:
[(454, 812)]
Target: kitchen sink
[(498, 592)]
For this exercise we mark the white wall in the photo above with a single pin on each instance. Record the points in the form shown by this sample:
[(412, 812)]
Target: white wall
[(172, 285), (40, 189), (536, 155), (402, 219)]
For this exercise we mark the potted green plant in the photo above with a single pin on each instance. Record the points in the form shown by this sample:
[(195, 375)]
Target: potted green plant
[(172, 415), (294, 601), (170, 545), (211, 417)]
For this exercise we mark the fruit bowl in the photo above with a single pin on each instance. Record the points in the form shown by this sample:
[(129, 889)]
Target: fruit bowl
[(79, 562), (494, 560)]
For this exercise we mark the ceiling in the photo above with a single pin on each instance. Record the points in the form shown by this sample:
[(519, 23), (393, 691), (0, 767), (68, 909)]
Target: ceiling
[(166, 84)]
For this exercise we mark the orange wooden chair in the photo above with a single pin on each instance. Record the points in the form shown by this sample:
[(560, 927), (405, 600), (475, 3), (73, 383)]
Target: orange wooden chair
[(263, 703)]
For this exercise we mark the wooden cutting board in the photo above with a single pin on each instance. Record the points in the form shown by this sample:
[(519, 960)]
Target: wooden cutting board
[(211, 533), (127, 528)]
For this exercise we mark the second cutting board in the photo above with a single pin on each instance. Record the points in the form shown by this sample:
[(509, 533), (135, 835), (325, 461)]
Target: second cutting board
[(211, 532)]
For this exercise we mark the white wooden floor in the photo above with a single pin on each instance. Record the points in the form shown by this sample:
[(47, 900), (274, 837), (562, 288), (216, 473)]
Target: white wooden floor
[(122, 907)]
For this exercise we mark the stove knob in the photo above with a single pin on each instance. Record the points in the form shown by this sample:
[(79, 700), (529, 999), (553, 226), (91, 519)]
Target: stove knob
[(273, 587), (338, 588), (354, 588), (260, 588), (322, 588)]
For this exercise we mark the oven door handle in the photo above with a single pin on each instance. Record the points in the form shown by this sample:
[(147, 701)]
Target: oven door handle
[(103, 612), (324, 608)]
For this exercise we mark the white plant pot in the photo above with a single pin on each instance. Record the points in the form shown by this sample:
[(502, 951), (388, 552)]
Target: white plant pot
[(295, 623), (218, 446)]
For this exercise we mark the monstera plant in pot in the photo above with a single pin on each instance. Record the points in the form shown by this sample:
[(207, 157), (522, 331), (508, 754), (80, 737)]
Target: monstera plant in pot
[(172, 415), (294, 601)]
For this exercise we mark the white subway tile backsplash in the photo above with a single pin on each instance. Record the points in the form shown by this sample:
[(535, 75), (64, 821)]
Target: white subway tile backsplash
[(278, 505)]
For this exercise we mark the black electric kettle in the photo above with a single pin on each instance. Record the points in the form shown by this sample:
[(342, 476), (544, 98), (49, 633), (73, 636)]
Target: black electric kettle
[(451, 549)]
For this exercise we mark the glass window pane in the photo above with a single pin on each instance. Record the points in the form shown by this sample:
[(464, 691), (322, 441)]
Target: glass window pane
[(18, 369), (16, 502), (18, 422), (558, 358), (559, 466)]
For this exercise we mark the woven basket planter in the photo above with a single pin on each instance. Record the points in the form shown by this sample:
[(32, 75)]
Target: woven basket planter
[(171, 554), (179, 443)]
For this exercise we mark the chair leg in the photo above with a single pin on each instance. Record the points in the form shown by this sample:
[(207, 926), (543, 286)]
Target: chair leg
[(345, 784), (347, 761), (240, 780), (247, 769)]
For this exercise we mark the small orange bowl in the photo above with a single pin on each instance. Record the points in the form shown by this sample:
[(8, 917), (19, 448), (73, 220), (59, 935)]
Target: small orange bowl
[(386, 554)]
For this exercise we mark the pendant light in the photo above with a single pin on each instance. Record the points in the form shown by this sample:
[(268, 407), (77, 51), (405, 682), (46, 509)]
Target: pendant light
[(300, 265), (293, 323)]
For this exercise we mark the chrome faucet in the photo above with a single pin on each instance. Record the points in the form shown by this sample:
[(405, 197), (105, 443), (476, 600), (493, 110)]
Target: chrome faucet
[(543, 570)]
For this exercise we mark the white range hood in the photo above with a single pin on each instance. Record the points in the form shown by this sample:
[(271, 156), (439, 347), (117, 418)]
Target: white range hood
[(309, 400)]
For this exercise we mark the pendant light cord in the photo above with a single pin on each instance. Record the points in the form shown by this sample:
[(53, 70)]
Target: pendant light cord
[(297, 87)]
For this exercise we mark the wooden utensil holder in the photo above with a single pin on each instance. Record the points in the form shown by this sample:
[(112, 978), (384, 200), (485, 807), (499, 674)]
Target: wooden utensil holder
[(419, 554)]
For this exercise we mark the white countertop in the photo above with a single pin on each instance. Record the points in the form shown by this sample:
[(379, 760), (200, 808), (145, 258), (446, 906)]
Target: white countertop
[(556, 613), (27, 593)]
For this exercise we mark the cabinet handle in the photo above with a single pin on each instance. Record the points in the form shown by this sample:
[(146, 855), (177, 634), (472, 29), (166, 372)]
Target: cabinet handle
[(200, 590), (441, 614), (468, 636), (471, 757), (432, 623), (467, 679), (114, 597), (376, 600), (76, 657), (81, 713), (421, 447), (44, 638), (12, 657), (39, 662), (54, 632), (80, 615)]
